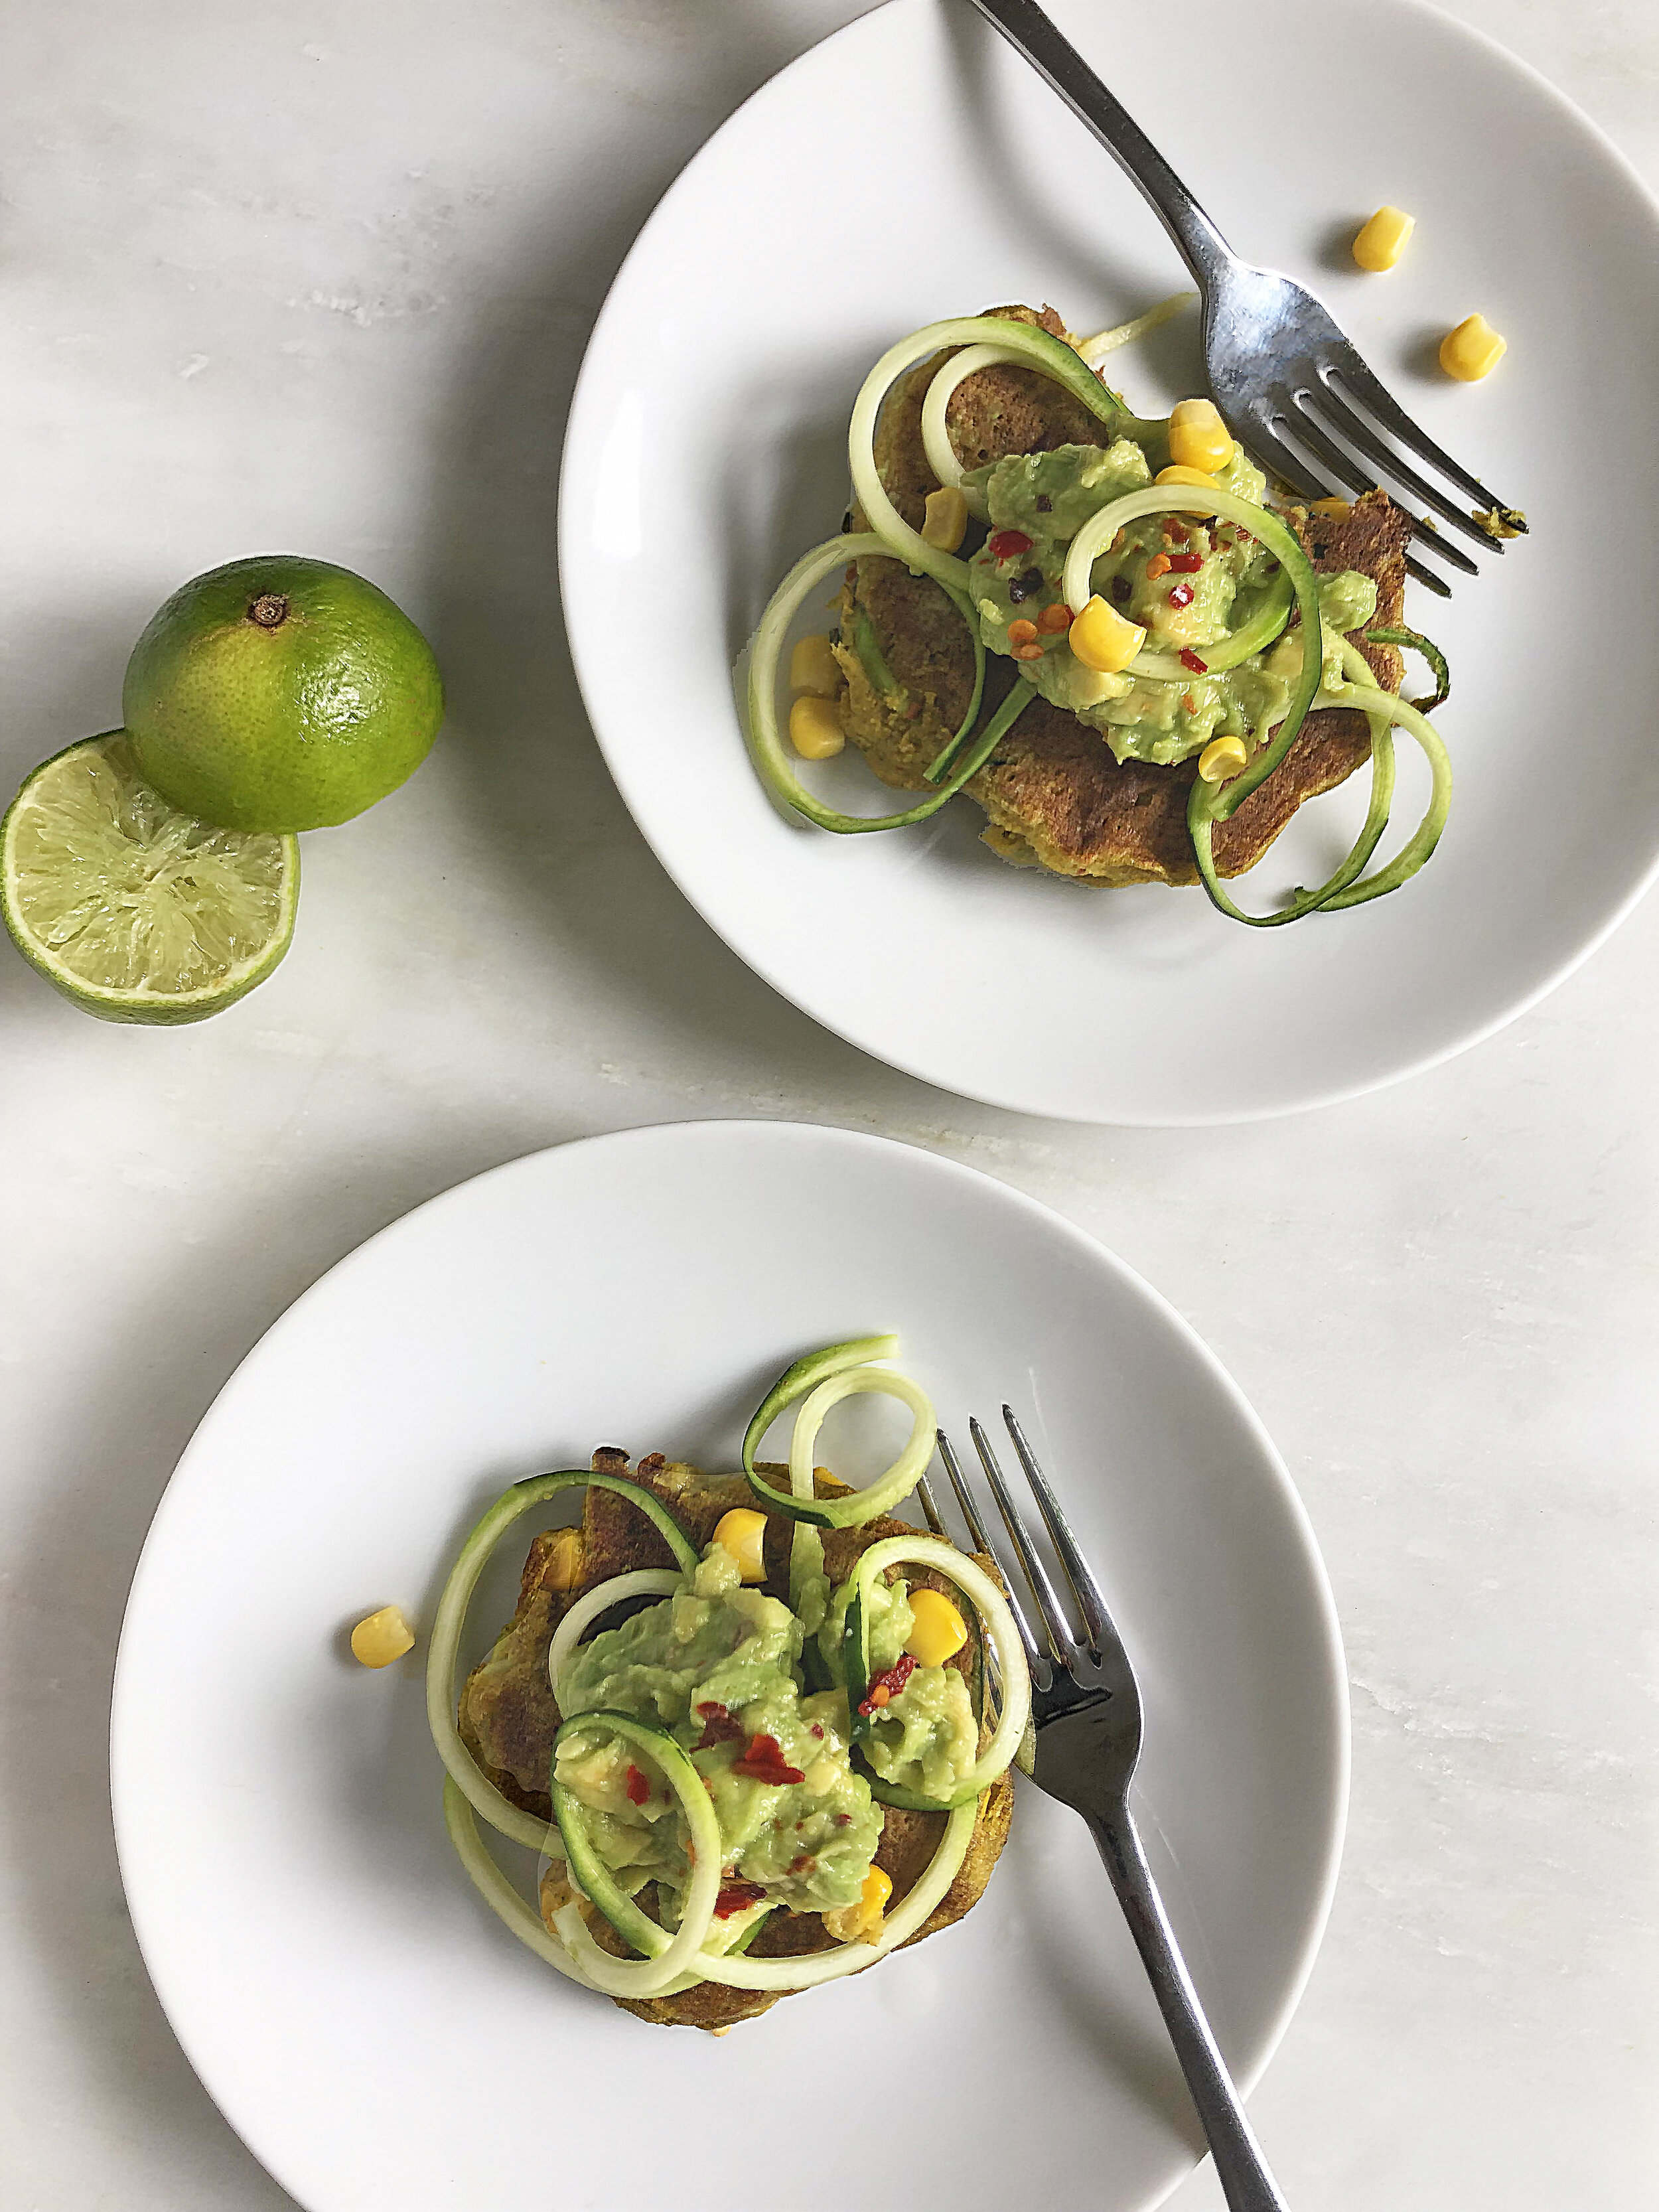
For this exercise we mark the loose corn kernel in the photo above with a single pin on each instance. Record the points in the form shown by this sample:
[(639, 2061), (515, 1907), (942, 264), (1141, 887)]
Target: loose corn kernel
[(1380, 241), (1473, 350), (815, 728), (1176, 474), (1055, 618), (561, 1562), (1199, 439), (1339, 507), (945, 524), (382, 1637), (742, 1532), (813, 667), (937, 1629), (1221, 757), (861, 1923), (1101, 639)]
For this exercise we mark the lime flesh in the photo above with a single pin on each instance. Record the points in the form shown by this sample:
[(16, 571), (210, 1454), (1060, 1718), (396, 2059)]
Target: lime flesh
[(135, 911), (280, 694)]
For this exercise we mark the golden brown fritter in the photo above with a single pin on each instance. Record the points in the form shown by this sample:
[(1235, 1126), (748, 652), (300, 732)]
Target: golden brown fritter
[(508, 1717), (1053, 790)]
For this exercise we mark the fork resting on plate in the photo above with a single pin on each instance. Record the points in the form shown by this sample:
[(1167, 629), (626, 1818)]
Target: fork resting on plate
[(1279, 365), (1086, 1708)]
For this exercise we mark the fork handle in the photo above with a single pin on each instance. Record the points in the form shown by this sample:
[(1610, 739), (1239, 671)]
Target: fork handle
[(1027, 29), (1246, 2183)]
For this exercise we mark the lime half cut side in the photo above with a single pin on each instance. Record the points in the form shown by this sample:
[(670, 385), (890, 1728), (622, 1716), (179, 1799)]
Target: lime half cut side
[(135, 911)]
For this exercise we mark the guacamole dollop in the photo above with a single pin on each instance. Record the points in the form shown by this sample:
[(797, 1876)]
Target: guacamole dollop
[(1188, 583), (715, 1665), (718, 1666)]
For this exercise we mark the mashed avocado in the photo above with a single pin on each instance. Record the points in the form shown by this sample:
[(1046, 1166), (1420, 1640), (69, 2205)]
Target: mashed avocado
[(716, 1666), (926, 1738), (1189, 584)]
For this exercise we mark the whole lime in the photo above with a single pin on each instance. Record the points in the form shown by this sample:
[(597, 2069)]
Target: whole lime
[(280, 694)]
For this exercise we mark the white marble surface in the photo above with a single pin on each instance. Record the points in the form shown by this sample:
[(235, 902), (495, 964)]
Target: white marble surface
[(321, 278)]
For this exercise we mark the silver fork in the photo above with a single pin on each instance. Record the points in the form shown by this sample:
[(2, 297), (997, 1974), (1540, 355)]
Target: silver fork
[(1087, 1711), (1277, 360)]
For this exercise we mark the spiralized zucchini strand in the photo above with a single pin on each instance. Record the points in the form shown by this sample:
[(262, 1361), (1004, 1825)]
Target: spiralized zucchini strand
[(1094, 350)]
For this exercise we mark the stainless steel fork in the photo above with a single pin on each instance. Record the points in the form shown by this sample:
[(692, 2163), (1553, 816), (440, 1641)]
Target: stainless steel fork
[(1087, 1711), (1278, 362)]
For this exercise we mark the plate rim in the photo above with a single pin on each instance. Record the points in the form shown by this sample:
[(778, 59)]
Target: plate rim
[(1332, 1811), (588, 663)]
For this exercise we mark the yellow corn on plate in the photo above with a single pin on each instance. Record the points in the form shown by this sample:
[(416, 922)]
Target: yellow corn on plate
[(382, 1637), (742, 1532), (1102, 640), (1379, 243), (815, 728), (1473, 350), (1222, 757), (945, 523), (1199, 439), (813, 667), (937, 1629)]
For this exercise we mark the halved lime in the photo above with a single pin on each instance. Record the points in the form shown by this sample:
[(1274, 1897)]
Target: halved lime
[(135, 911)]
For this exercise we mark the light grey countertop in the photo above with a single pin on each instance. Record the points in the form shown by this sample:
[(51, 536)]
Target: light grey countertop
[(323, 277)]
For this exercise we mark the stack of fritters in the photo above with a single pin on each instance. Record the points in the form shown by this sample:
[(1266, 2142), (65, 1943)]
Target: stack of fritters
[(1054, 793), (508, 1716)]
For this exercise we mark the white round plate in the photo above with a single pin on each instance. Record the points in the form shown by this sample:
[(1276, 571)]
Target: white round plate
[(371, 2032), (912, 168)]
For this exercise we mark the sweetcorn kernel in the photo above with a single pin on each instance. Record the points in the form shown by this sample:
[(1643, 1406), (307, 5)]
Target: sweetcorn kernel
[(815, 729), (382, 1637), (1199, 439), (945, 523), (561, 1562), (937, 1629), (1337, 508), (1473, 350), (861, 1923), (1221, 757), (742, 1532), (1380, 241), (1101, 639), (813, 667), (1176, 473)]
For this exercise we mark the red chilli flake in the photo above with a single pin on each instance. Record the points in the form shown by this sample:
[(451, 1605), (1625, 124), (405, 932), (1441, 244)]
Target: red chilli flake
[(1009, 545), (1186, 564), (638, 1790), (737, 1897), (886, 1687), (1181, 595), (764, 1761), (717, 1726), (1190, 659)]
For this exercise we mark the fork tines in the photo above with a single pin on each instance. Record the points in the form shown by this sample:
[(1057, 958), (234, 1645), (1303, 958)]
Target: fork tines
[(1320, 428), (1059, 1648)]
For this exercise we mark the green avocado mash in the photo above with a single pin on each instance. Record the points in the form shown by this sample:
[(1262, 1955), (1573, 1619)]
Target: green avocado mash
[(1189, 584), (723, 1651), (718, 1665)]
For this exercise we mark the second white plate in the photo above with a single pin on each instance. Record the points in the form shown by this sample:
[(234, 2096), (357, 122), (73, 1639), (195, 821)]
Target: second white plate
[(913, 167), (373, 2032)]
